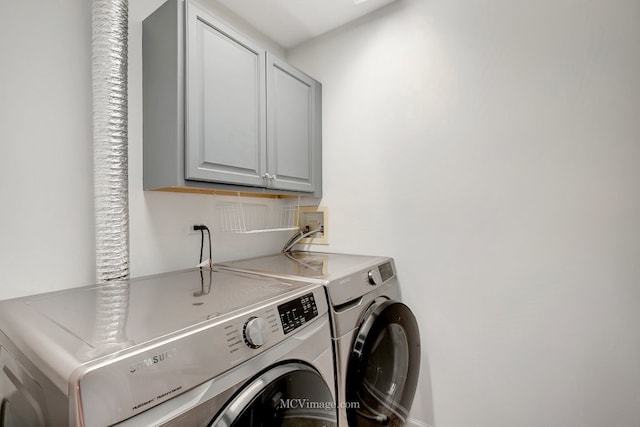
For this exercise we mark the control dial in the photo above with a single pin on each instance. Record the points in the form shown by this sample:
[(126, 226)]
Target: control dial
[(374, 277), (255, 332)]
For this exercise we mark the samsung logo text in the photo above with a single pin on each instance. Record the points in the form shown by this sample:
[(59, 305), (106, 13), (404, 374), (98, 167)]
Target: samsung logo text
[(153, 360)]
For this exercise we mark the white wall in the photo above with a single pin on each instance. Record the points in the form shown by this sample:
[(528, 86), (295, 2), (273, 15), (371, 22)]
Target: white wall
[(493, 148), (46, 173), (46, 205), (490, 147)]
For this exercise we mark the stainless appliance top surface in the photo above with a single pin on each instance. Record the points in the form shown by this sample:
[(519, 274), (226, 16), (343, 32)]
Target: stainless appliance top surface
[(346, 277), (317, 266), (65, 329), (153, 306)]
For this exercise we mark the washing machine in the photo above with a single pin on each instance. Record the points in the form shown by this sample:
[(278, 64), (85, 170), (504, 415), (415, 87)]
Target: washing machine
[(375, 335), (189, 348)]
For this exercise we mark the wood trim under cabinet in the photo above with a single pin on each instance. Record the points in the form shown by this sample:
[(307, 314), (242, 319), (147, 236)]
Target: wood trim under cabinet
[(216, 192)]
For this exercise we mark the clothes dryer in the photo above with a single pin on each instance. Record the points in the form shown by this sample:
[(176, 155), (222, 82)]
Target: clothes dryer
[(190, 348), (375, 336)]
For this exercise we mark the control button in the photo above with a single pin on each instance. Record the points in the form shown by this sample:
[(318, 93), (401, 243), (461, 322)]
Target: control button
[(255, 332), (374, 277)]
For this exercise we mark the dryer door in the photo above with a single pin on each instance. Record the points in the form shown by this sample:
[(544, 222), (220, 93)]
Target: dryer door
[(292, 394), (383, 368)]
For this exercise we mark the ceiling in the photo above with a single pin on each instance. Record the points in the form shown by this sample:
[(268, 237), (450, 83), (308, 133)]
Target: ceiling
[(291, 22)]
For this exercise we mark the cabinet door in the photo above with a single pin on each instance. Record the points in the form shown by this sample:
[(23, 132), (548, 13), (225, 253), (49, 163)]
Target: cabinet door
[(225, 103), (294, 135)]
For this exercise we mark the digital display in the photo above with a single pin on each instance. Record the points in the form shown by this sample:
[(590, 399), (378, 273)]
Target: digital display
[(297, 312), (386, 271)]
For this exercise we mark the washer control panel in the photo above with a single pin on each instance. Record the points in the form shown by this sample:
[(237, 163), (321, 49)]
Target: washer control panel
[(247, 335), (297, 312), (374, 277), (255, 332), (252, 332), (380, 274), (386, 271)]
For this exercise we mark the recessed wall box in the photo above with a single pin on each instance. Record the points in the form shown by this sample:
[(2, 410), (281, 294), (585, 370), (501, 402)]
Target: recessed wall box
[(314, 218)]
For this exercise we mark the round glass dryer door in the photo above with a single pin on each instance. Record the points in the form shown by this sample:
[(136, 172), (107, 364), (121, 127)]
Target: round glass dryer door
[(383, 368), (289, 395)]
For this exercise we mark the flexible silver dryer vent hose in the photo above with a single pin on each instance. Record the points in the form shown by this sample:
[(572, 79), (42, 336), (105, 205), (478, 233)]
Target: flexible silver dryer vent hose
[(110, 158), (109, 67)]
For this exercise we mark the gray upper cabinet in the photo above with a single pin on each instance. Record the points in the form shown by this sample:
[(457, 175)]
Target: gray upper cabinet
[(225, 116), (222, 113), (293, 105)]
